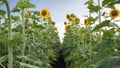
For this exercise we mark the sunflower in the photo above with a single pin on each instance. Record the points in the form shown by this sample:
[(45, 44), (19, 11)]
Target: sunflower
[(68, 16), (72, 15), (67, 27), (27, 13), (53, 23), (65, 23), (114, 13), (45, 13), (76, 20), (86, 22), (26, 20)]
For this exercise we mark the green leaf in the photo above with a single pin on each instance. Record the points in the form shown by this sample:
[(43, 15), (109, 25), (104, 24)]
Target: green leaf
[(38, 26), (92, 20), (25, 4), (89, 2), (28, 65), (103, 24), (7, 41), (94, 8), (16, 9), (15, 18), (108, 33), (105, 2), (110, 62), (2, 13), (3, 58), (1, 2)]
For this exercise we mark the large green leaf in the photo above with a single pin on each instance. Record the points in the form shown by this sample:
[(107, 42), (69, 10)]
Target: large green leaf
[(105, 2), (103, 24), (110, 62), (22, 5), (2, 13), (25, 4), (89, 2), (28, 65), (1, 2), (94, 8), (3, 58), (16, 9), (108, 33)]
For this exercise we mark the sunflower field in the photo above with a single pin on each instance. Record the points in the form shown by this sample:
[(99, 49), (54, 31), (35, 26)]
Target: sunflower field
[(31, 40)]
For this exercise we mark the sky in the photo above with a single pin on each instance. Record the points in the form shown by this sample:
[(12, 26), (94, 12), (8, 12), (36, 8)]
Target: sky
[(58, 10)]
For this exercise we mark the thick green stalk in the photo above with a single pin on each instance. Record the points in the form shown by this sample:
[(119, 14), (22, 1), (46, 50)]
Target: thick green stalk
[(10, 49), (99, 18), (0, 25), (23, 35)]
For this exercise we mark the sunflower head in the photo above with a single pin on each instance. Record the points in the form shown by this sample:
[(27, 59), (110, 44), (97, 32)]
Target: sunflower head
[(65, 23), (114, 13), (72, 15), (26, 14), (45, 13), (76, 20), (68, 16), (26, 20), (67, 27), (53, 23), (86, 22)]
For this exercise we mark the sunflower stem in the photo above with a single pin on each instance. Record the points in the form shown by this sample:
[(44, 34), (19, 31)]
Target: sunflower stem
[(0, 25), (99, 18), (23, 35), (10, 49)]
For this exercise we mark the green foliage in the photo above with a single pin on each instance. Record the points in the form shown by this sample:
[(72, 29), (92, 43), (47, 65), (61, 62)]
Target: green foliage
[(82, 47), (103, 24), (2, 13), (3, 58), (1, 2), (22, 5)]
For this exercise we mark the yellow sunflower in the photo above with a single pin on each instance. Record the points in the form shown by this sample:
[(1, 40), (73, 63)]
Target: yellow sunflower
[(76, 20), (86, 22), (67, 27), (26, 20), (72, 15), (65, 23), (53, 23), (45, 13), (114, 13), (68, 16)]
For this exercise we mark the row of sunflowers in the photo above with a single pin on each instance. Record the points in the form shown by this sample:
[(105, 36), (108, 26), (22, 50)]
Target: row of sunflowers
[(31, 40)]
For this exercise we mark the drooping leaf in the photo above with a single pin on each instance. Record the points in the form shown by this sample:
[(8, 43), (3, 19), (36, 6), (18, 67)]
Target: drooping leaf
[(1, 2), (105, 2), (110, 62), (103, 24), (28, 65), (24, 4), (2, 13), (92, 20), (89, 2), (108, 33), (16, 9), (3, 58), (94, 8)]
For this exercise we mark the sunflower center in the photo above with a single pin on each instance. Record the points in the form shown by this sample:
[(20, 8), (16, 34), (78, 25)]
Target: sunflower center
[(76, 20), (68, 16), (44, 13), (114, 13), (85, 21)]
